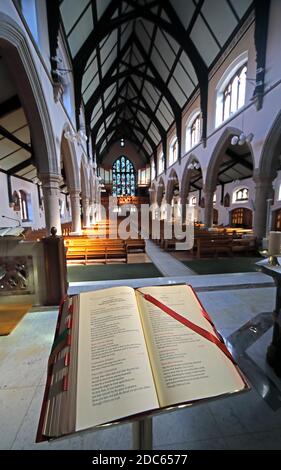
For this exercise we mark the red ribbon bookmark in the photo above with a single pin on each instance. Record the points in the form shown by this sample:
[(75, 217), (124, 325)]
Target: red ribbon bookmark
[(206, 334)]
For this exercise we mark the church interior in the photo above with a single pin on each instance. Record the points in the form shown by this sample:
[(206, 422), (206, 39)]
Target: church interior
[(140, 145)]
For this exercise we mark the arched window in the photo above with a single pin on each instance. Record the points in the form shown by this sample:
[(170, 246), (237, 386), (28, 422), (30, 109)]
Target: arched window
[(123, 177), (16, 201), (234, 93), (279, 193), (278, 220), (241, 195), (161, 164), (173, 155), (231, 89), (215, 216), (23, 206), (106, 175), (214, 198), (193, 132), (193, 201), (226, 200), (241, 217)]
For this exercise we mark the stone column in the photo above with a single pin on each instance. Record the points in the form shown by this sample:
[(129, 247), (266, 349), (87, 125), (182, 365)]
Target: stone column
[(92, 212), (86, 212), (269, 203), (75, 210), (51, 195), (263, 192), (98, 205), (208, 211)]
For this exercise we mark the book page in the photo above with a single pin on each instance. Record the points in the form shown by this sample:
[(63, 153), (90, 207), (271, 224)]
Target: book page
[(186, 366), (114, 375)]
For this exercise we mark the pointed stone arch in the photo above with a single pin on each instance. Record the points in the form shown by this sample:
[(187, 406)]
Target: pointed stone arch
[(153, 194), (264, 176), (185, 182), (85, 184), (70, 163), (15, 49), (213, 170), (217, 155), (85, 194), (172, 182), (92, 186), (271, 150), (160, 191), (186, 176)]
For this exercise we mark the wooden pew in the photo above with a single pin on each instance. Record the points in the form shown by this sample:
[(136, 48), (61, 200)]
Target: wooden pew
[(214, 246), (88, 249), (244, 245), (135, 245)]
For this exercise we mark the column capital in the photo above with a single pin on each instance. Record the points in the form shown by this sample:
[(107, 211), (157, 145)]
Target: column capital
[(262, 180), (50, 179), (208, 190), (74, 192)]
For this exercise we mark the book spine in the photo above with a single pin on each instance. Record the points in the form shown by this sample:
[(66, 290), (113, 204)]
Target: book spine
[(57, 362)]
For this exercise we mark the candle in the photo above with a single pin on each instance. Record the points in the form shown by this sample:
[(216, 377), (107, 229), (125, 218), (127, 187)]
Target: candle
[(274, 243)]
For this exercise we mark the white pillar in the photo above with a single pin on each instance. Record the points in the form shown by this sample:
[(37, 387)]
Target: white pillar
[(86, 212), (92, 212), (98, 203), (75, 210), (269, 216), (51, 195)]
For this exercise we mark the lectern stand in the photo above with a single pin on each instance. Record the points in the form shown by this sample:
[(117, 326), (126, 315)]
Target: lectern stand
[(274, 350), (142, 434)]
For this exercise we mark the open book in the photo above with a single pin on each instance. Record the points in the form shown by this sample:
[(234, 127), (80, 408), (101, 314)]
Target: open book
[(120, 352)]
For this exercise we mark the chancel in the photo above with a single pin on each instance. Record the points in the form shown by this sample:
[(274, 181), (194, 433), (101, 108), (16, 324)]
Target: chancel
[(140, 146)]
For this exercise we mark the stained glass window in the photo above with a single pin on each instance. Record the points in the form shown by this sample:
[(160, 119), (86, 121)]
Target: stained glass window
[(123, 177)]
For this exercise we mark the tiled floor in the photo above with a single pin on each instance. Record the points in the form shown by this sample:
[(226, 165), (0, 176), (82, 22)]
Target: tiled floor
[(245, 421)]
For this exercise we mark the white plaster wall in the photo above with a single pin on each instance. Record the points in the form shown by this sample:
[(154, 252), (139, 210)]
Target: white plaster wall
[(37, 217), (5, 209), (186, 116), (129, 151), (231, 188), (43, 31), (273, 66)]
